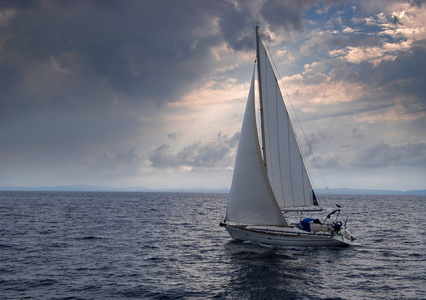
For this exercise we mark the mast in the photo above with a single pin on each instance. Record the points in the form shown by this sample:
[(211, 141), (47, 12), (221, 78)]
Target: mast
[(259, 79)]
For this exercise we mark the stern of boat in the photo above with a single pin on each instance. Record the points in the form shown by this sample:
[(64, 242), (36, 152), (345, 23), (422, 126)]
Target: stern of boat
[(344, 236)]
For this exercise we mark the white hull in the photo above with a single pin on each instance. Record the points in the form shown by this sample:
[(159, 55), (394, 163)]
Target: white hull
[(289, 236)]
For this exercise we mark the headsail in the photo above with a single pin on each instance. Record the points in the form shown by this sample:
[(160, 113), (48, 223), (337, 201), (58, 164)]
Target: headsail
[(285, 167), (251, 200)]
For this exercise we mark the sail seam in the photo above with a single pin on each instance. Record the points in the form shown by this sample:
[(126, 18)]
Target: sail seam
[(278, 141)]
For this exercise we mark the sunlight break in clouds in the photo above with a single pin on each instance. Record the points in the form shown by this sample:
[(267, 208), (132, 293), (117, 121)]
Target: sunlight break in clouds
[(307, 96), (213, 93)]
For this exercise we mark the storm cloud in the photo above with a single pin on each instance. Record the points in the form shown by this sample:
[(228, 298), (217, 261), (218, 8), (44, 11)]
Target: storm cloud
[(127, 92), (383, 154), (207, 154), (153, 49)]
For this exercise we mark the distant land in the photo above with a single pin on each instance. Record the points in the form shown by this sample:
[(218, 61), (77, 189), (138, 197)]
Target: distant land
[(347, 191), (89, 188)]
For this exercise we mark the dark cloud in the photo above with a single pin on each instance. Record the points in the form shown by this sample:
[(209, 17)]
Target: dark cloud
[(317, 138), (138, 46), (310, 143), (236, 26), (123, 162), (398, 81), (18, 4), (173, 136), (285, 14), (325, 161), (90, 63), (80, 81), (406, 74), (197, 155), (383, 154), (417, 3), (11, 79), (358, 132), (143, 48)]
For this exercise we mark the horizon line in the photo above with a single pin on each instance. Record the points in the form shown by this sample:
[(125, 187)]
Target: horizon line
[(90, 188)]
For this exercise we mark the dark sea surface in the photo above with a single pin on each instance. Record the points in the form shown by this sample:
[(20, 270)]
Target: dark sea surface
[(71, 245)]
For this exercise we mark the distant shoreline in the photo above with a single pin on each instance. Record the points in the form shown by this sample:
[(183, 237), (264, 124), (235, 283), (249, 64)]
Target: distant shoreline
[(84, 188)]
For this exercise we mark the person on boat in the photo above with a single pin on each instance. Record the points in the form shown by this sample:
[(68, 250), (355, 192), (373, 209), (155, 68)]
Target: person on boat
[(337, 226)]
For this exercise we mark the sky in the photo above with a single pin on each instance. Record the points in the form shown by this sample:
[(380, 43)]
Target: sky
[(151, 93)]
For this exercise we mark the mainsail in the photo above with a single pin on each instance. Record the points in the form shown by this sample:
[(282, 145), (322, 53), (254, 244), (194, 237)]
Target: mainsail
[(285, 167)]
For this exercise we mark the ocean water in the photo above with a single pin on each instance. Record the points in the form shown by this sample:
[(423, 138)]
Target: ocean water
[(60, 245)]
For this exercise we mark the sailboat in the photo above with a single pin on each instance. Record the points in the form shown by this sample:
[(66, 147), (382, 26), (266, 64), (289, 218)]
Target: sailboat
[(270, 179)]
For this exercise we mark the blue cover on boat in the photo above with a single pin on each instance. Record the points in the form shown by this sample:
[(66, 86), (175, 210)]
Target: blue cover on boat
[(304, 224)]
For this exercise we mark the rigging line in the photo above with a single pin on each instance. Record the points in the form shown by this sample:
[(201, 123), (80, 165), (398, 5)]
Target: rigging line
[(300, 125)]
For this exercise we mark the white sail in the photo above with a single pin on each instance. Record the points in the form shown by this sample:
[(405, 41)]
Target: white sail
[(251, 199), (270, 176), (285, 167)]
